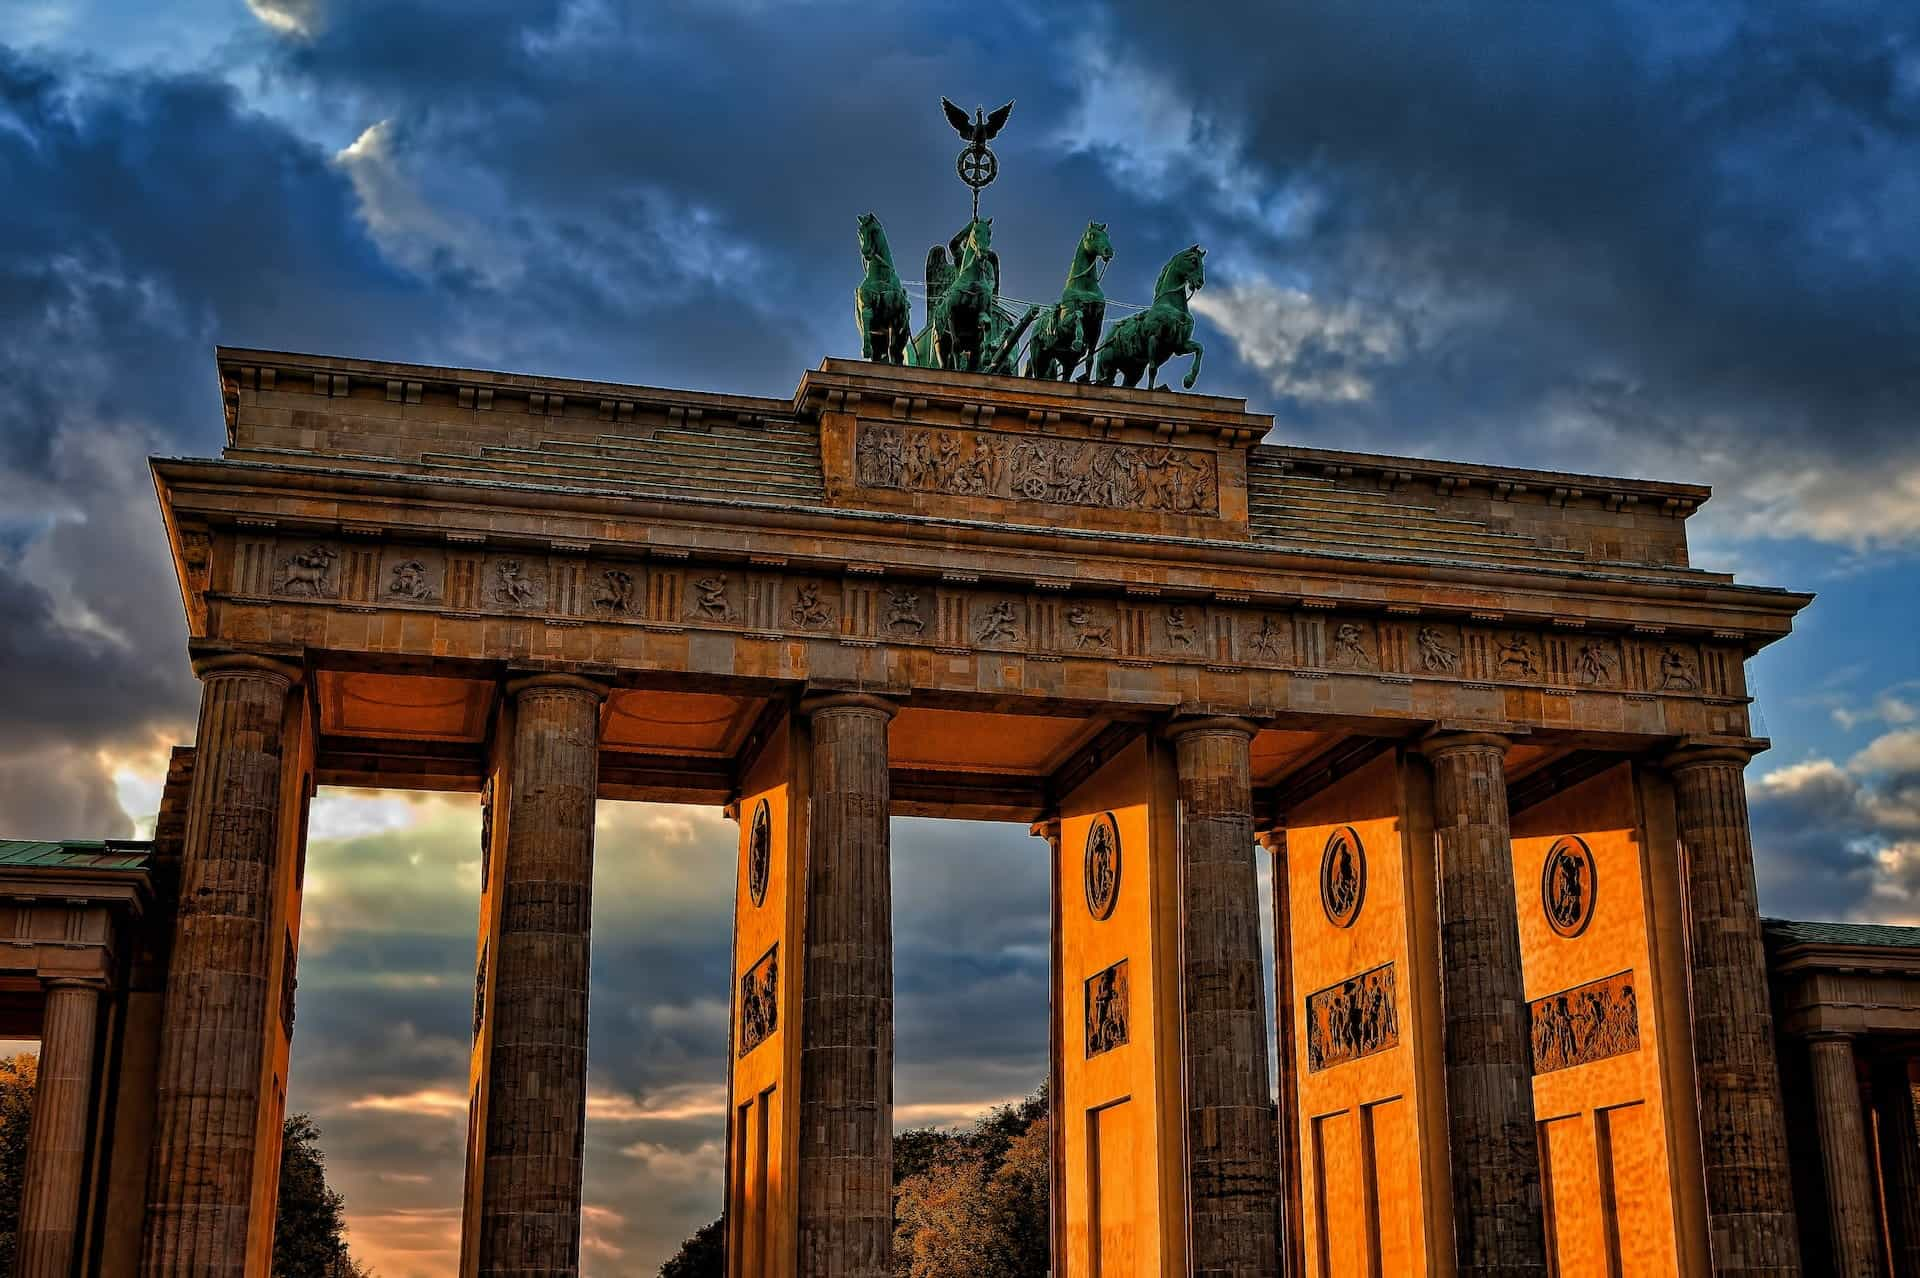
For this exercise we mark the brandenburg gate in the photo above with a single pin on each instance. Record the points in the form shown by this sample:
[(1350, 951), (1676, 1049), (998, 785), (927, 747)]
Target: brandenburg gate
[(1486, 723)]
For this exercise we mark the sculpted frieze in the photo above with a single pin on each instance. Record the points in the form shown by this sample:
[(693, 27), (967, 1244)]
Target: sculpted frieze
[(1356, 1017), (1586, 1023), (1070, 472)]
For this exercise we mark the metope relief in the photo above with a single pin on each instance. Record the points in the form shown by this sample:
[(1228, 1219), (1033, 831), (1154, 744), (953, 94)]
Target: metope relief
[(1351, 650), (309, 571), (760, 1001), (1568, 881), (1089, 629), (759, 853), (1587, 1023), (1182, 626), (1268, 639), (410, 580), (1439, 651), (1596, 665), (998, 624), (712, 599), (1355, 1018), (1102, 867), (1343, 876), (614, 592), (810, 609), (1679, 672), (903, 613), (516, 583), (1107, 1009), (1072, 472)]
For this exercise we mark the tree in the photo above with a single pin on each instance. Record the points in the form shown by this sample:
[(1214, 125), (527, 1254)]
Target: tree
[(17, 1075), (310, 1229), (702, 1256)]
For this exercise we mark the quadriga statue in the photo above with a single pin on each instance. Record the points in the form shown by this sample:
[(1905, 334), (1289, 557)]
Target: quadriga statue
[(880, 303), (1142, 343)]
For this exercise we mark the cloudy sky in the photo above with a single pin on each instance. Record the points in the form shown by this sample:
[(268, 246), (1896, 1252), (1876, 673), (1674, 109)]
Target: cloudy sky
[(1677, 239)]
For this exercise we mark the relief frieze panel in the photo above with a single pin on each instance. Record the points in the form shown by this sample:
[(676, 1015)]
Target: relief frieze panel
[(760, 1001), (1070, 472), (1355, 1018), (1587, 1023)]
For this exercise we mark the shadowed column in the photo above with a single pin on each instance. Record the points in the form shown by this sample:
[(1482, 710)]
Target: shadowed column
[(1049, 830), (207, 1099), (1852, 1212), (1743, 1136), (537, 1069), (57, 1139), (1233, 1162), (1292, 1228), (846, 1008), (1498, 1225), (1893, 1099)]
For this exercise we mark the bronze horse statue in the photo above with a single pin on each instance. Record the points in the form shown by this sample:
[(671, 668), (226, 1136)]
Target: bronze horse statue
[(1142, 343), (1068, 332), (966, 327), (880, 303)]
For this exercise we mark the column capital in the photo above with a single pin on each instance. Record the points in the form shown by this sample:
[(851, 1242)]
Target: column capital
[(96, 984), (867, 701), (1710, 753), (595, 688), (1223, 724), (1844, 1037), (1273, 838), (1047, 828), (1445, 741), (241, 663)]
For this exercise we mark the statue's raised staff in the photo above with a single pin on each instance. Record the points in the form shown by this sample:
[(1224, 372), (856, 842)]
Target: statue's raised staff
[(880, 303), (1142, 343), (1068, 331)]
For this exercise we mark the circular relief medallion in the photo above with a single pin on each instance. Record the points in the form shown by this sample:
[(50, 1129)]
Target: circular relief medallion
[(1343, 876), (759, 853), (1103, 865), (1567, 883)]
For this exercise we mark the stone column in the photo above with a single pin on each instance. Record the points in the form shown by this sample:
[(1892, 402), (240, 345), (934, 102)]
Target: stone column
[(57, 1138), (1232, 1161), (1292, 1228), (1893, 1099), (1743, 1136), (1056, 1060), (846, 1008), (215, 1030), (1498, 1225), (537, 1068), (1852, 1211)]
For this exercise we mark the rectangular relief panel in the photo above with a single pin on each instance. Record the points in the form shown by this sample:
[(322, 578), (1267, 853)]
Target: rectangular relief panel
[(1352, 1019), (1122, 1125), (1588, 1023)]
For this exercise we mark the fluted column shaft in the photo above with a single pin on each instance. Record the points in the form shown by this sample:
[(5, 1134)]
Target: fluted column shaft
[(1233, 1160), (1852, 1214), (1498, 1225), (846, 1009), (1743, 1136), (537, 1066), (57, 1140), (1893, 1098), (214, 1036)]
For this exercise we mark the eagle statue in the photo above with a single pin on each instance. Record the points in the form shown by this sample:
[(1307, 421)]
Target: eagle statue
[(979, 130)]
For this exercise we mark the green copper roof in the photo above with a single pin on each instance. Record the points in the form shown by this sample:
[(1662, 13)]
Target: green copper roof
[(75, 854), (1884, 935)]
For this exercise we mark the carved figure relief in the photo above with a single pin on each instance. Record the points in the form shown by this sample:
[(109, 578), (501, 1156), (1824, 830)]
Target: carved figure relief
[(759, 853), (1596, 664), (615, 592), (486, 831), (1586, 1023), (1107, 1009), (1678, 672), (999, 625), (1103, 865), (1343, 876), (1350, 646), (760, 1001), (308, 572), (1437, 655), (512, 585), (1179, 629), (1568, 880), (480, 991), (1516, 658), (1063, 471), (808, 610), (1087, 632), (1267, 640), (711, 598), (410, 581), (1355, 1018), (903, 611)]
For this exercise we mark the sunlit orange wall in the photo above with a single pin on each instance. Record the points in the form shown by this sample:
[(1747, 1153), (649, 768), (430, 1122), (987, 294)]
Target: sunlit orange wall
[(1605, 1158), (762, 1241), (1370, 1152), (1130, 1092)]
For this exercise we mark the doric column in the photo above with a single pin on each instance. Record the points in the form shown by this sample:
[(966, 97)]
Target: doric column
[(1893, 1099), (214, 1035), (1056, 1059), (1233, 1164), (1292, 1229), (1852, 1213), (57, 1139), (1743, 1136), (1498, 1224), (537, 1067), (846, 1007)]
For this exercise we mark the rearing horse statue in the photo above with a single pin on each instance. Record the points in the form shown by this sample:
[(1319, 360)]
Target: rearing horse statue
[(1068, 332), (961, 312), (880, 303), (1142, 343)]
